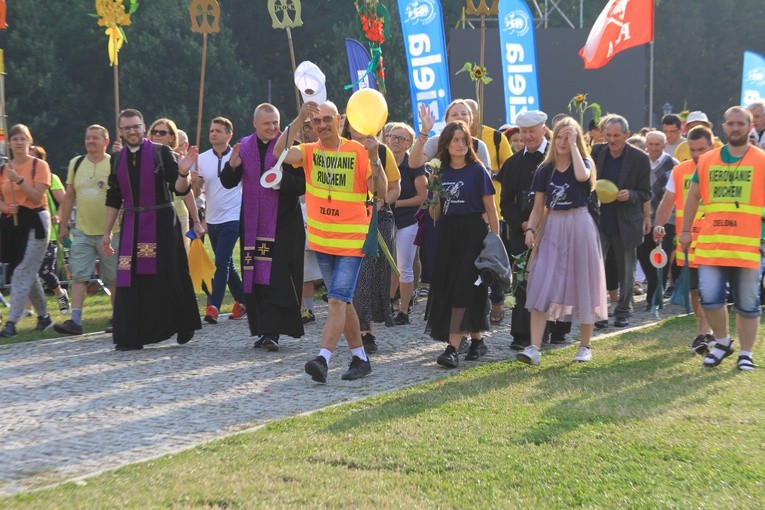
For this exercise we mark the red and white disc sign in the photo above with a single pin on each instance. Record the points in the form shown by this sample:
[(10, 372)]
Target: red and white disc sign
[(272, 178), (658, 257)]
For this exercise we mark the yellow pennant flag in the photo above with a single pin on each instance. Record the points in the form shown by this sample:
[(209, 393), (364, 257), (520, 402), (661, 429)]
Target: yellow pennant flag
[(201, 268)]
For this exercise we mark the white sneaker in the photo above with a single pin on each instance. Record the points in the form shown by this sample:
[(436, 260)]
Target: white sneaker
[(63, 302), (530, 355), (583, 355)]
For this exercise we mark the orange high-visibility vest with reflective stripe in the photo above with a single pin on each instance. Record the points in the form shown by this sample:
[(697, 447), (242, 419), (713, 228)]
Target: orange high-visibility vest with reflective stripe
[(681, 176), (335, 197), (734, 199)]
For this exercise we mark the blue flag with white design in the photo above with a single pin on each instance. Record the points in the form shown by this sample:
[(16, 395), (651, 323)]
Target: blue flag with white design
[(753, 78), (519, 60)]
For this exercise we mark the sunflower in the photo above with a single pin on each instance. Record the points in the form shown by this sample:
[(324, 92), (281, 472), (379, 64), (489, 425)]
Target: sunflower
[(478, 72), (579, 98)]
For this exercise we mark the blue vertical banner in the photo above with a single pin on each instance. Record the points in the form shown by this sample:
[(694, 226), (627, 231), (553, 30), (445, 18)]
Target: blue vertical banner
[(753, 78), (358, 61), (423, 32), (519, 58)]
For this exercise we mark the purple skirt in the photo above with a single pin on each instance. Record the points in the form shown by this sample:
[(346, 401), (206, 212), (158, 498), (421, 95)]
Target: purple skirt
[(567, 280)]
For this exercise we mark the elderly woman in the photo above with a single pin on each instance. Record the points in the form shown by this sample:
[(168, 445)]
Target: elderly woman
[(413, 194), (456, 305), (164, 131), (567, 278), (371, 298), (25, 227)]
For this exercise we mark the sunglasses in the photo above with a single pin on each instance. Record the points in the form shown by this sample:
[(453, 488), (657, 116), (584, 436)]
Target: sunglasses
[(160, 132), (326, 120)]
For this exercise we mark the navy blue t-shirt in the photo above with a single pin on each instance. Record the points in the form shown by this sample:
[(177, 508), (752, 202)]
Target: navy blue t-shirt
[(562, 191), (404, 216), (467, 187)]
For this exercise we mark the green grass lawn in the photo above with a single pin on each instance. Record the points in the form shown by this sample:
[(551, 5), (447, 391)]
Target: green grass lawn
[(97, 310), (643, 426)]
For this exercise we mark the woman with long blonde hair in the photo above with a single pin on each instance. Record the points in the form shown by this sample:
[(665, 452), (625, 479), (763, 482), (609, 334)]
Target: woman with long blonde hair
[(567, 277)]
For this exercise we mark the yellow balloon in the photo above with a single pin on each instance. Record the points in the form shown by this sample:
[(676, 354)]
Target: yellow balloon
[(367, 111), (606, 190)]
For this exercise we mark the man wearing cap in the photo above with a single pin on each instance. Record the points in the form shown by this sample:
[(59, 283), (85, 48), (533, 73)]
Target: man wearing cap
[(757, 109), (672, 127), (271, 232), (699, 141), (516, 203), (622, 221), (697, 118), (339, 179), (730, 183)]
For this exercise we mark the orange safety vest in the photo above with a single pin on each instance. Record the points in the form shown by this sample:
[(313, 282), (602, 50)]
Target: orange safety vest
[(681, 176), (336, 197), (734, 199)]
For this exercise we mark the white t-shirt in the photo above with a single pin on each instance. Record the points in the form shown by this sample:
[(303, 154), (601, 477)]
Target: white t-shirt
[(222, 205)]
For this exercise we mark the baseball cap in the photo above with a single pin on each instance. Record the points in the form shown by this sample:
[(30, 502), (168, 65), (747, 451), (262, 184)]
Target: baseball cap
[(311, 82)]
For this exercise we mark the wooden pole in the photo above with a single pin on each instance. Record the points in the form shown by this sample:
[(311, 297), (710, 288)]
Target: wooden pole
[(201, 88), (480, 82), (292, 57), (116, 100)]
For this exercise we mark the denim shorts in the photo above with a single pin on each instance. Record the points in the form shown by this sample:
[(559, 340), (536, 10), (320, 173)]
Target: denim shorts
[(340, 275), (744, 287)]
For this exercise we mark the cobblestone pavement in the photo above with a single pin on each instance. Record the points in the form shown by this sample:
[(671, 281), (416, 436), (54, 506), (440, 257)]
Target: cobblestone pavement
[(73, 406)]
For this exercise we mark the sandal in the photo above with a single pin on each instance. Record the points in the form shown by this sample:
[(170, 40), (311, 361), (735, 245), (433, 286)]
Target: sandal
[(496, 316), (712, 361), (746, 363)]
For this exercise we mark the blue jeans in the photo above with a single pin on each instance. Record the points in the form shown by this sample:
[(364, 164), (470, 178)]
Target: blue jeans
[(744, 287), (223, 237), (340, 275)]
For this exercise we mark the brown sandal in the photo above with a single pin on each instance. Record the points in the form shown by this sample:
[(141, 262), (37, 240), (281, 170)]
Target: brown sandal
[(496, 316)]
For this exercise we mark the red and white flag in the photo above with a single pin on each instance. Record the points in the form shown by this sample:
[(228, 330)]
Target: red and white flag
[(623, 24)]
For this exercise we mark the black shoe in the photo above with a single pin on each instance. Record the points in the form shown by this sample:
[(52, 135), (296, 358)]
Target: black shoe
[(110, 325), (271, 343), (519, 345), (184, 337), (259, 343), (68, 327), (119, 347), (358, 369), (370, 346), (477, 349), (464, 345), (9, 330), (621, 322), (449, 358), (317, 369), (44, 323), (601, 324), (558, 340), (401, 319)]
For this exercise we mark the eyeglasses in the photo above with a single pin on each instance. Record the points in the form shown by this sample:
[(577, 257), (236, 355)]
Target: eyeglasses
[(307, 127), (326, 120), (159, 132), (134, 127), (398, 139)]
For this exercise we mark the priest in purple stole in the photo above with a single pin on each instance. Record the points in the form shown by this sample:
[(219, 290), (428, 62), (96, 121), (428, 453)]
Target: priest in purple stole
[(272, 233), (155, 297)]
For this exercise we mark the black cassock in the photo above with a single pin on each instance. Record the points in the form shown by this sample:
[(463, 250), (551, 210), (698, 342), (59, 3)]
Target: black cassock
[(155, 307), (275, 309)]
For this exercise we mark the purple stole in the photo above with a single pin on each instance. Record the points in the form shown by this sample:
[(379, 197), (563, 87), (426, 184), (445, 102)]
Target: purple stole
[(259, 209), (146, 253)]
